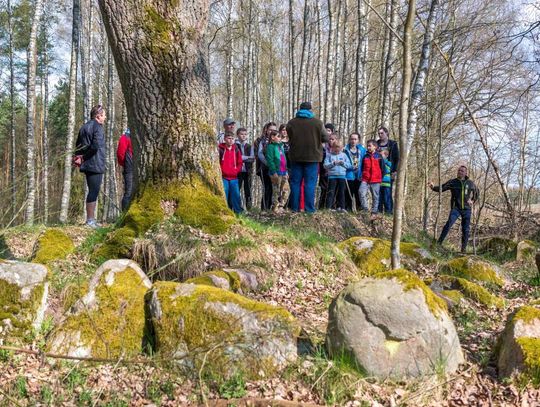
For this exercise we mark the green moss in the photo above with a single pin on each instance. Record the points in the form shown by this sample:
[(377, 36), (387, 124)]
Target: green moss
[(499, 248), (475, 292), (377, 258), (157, 28), (232, 278), (531, 358), (21, 312), (472, 269), (454, 295), (411, 282), (202, 329), (54, 244), (117, 245), (527, 314), (115, 326)]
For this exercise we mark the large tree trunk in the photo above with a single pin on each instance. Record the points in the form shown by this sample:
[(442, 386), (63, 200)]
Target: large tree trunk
[(403, 115), (165, 81), (30, 103), (66, 189)]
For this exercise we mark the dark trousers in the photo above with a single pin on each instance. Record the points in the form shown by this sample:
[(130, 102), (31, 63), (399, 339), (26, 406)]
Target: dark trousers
[(323, 184), (353, 192), (336, 193), (245, 180), (266, 201), (465, 215), (93, 181), (386, 204), (128, 188)]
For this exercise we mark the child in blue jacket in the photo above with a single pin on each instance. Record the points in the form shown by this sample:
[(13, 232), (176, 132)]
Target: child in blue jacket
[(356, 153), (336, 164)]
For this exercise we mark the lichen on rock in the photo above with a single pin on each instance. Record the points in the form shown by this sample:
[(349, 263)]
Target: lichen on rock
[(196, 324), (52, 245), (23, 299), (473, 269), (109, 320), (472, 291)]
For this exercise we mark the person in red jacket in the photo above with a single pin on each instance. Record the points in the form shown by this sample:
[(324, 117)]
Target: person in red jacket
[(372, 170), (124, 154), (230, 160)]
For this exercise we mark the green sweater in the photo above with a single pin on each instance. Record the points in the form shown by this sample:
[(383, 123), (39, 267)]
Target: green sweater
[(274, 153)]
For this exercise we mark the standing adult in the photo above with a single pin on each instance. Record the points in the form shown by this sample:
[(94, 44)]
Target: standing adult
[(261, 167), (323, 173), (248, 157), (384, 143), (306, 138), (124, 154), (91, 145), (463, 196), (228, 126), (356, 153)]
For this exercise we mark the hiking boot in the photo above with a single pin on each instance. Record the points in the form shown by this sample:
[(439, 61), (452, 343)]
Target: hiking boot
[(92, 223)]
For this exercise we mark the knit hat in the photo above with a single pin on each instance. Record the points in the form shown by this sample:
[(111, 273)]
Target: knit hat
[(305, 106)]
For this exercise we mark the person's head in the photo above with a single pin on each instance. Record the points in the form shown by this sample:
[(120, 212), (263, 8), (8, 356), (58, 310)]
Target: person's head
[(275, 136), (371, 146), (98, 114), (283, 131), (383, 134), (305, 106), (337, 147), (229, 124), (332, 138), (354, 138), (384, 154), (329, 127), (462, 172), (229, 138), (269, 127), (241, 134)]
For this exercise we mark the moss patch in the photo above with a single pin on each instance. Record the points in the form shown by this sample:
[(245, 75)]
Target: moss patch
[(527, 314), (499, 248), (454, 295), (475, 292), (410, 282), (472, 269), (205, 279), (115, 326), (531, 358), (54, 244)]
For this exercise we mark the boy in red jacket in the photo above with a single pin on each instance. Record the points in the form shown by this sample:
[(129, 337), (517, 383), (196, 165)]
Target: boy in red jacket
[(230, 160), (372, 170), (124, 154)]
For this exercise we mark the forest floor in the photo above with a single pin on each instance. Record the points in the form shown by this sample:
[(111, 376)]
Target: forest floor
[(28, 380)]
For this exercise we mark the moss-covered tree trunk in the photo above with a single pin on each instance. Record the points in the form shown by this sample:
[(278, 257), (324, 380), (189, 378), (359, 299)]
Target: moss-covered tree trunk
[(158, 51)]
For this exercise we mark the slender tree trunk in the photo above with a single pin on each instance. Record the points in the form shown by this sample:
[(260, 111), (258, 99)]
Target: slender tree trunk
[(330, 68), (45, 137), (229, 69), (66, 189), (89, 60), (319, 59), (389, 61), (292, 60), (111, 199), (403, 115), (338, 63), (382, 72), (522, 152), (13, 138), (303, 74), (30, 103), (360, 71), (166, 93)]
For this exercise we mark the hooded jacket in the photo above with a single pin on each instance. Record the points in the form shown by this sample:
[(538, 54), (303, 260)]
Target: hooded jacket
[(124, 152), (461, 191), (372, 169), (91, 145), (275, 159), (352, 173), (230, 160), (393, 152), (306, 135), (337, 170)]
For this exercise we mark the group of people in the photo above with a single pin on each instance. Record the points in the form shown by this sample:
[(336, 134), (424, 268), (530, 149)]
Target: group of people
[(290, 159)]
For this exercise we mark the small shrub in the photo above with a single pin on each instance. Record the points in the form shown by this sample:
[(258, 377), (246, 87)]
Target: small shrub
[(234, 387)]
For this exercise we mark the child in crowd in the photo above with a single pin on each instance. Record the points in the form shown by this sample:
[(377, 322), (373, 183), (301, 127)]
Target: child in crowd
[(356, 153), (336, 164), (386, 185), (230, 160), (277, 170), (372, 170)]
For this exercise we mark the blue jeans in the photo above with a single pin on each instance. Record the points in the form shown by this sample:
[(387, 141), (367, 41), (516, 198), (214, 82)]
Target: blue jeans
[(307, 172), (232, 193), (374, 188), (465, 225), (385, 200)]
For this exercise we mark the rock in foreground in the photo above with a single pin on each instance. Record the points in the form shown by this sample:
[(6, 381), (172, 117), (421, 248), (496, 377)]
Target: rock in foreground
[(196, 324), (393, 326)]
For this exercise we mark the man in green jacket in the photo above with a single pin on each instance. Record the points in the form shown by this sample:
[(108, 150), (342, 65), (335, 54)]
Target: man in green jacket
[(306, 138)]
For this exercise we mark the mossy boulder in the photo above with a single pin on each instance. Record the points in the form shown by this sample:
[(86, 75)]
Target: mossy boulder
[(109, 320), (473, 269), (235, 280), (470, 290), (519, 345), (499, 248), (23, 299), (203, 326), (392, 325), (526, 251), (53, 244), (372, 255)]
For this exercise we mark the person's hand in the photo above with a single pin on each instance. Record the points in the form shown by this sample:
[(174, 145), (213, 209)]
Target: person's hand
[(430, 185), (470, 202), (274, 178), (393, 175), (286, 176)]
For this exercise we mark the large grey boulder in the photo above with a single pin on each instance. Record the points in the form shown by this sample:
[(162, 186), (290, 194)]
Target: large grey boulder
[(393, 326), (23, 298), (519, 344), (199, 326), (108, 321)]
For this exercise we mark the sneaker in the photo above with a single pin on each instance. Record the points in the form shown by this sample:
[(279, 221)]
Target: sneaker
[(92, 223)]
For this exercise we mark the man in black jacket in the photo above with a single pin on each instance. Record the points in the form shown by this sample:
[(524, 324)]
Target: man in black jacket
[(384, 143), (248, 157), (91, 145), (464, 195)]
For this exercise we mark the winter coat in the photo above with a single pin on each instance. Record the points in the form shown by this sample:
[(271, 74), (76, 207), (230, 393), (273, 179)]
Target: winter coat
[(306, 135), (124, 152), (337, 170), (387, 171), (91, 145), (461, 190), (393, 152), (353, 173), (275, 159), (372, 168), (230, 160)]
